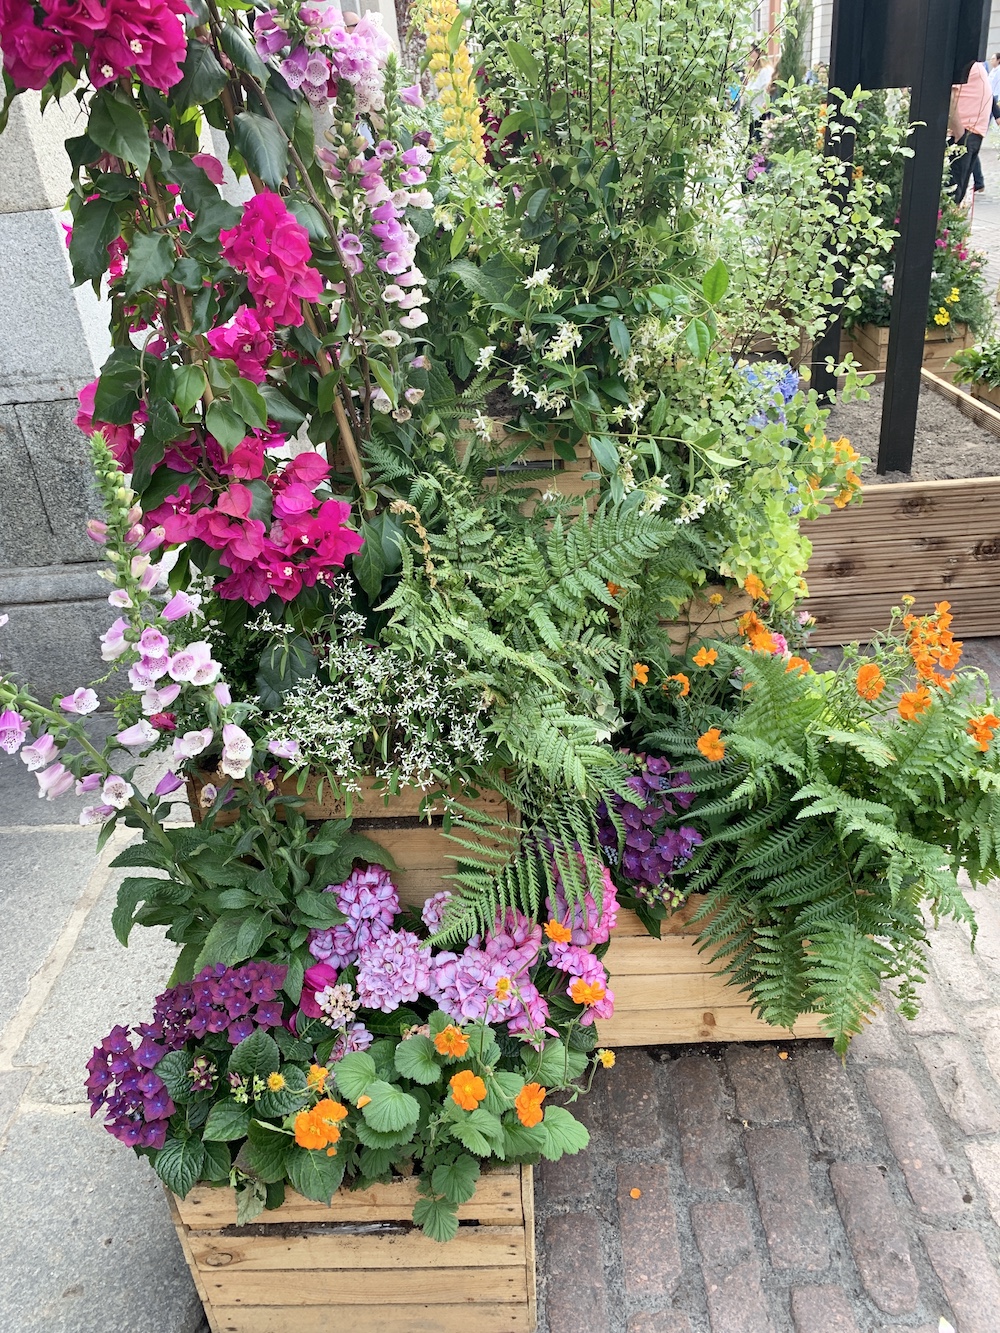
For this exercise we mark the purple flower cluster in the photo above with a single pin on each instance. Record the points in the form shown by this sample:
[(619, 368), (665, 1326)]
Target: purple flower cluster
[(491, 981), (369, 900), (655, 844), (393, 970), (589, 923), (121, 1079), (328, 54), (221, 999)]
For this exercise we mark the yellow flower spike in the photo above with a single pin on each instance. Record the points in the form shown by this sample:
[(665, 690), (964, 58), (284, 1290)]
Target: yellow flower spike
[(453, 76)]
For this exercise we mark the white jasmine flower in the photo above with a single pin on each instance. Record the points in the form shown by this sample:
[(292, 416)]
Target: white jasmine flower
[(539, 278), (485, 356)]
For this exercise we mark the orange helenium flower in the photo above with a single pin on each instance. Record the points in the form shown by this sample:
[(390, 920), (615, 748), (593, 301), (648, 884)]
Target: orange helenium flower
[(869, 681), (528, 1104), (640, 674), (558, 933), (753, 587), (711, 744), (758, 636), (586, 992), (981, 729), (913, 703), (318, 1128), (502, 988), (798, 664), (451, 1041), (467, 1089), (705, 657), (683, 681)]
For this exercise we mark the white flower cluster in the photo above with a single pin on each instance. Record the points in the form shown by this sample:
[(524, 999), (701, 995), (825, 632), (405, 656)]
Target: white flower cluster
[(566, 337)]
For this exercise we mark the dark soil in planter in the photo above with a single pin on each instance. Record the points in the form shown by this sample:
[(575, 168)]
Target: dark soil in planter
[(948, 444)]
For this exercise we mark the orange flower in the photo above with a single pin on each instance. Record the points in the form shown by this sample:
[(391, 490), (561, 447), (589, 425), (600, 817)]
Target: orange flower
[(502, 988), (316, 1078), (451, 1041), (275, 1082), (869, 681), (528, 1104), (558, 933), (318, 1128), (981, 729), (711, 744), (798, 664), (683, 681), (913, 703), (756, 632), (363, 1101), (754, 588), (467, 1089), (586, 992), (614, 589), (705, 657), (640, 674)]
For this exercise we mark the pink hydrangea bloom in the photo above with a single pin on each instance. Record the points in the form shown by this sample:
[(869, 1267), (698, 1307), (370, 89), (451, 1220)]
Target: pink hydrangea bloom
[(393, 970), (369, 900), (590, 924)]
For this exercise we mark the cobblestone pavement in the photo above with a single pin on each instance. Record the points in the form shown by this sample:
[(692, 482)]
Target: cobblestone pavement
[(777, 1195)]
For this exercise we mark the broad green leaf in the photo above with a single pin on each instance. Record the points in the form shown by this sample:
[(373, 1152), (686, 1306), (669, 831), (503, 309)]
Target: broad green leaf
[(698, 337), (315, 1175), (536, 202), (554, 1064), (437, 1218), (117, 126), (502, 1088), (263, 147), (715, 282), (524, 62), (256, 1056), (416, 1058), (202, 78), (226, 1121), (480, 1132), (384, 376), (620, 336), (354, 1073), (563, 1133), (391, 1109), (242, 53), (220, 943), (267, 1151), (372, 1138), (368, 564), (178, 1164), (326, 391), (285, 1101), (520, 1142), (249, 402), (131, 893), (605, 452), (225, 423), (251, 1200), (217, 1164), (150, 259), (456, 1180), (95, 226), (189, 385), (175, 1071)]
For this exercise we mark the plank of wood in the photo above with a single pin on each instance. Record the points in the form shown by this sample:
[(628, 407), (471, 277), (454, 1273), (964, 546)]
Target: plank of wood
[(844, 619), (332, 1248), (937, 573), (185, 1239), (644, 956), (497, 1200), (414, 1318), (695, 989), (681, 1026), (441, 1287), (531, 1281), (976, 409)]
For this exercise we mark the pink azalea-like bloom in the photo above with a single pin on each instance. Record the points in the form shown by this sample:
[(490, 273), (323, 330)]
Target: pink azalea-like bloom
[(81, 701), (315, 981), (97, 531), (153, 642), (192, 743), (780, 644), (54, 781), (269, 36), (271, 247), (119, 598), (39, 753), (138, 736), (117, 792), (413, 319), (412, 96), (417, 156), (237, 751), (393, 970), (167, 784), (246, 340), (223, 696), (211, 166), (13, 729), (180, 605), (369, 900), (163, 721)]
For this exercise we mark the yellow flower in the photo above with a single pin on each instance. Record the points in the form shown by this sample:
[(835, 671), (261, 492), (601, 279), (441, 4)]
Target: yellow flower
[(502, 990), (453, 74), (716, 599), (953, 296), (275, 1082), (606, 1058), (943, 316)]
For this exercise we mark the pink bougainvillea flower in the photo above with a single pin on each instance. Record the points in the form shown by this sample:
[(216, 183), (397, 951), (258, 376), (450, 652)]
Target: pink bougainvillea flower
[(211, 166)]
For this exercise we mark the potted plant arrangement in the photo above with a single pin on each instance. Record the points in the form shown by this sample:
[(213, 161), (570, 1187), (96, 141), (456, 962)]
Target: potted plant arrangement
[(342, 631), (979, 367)]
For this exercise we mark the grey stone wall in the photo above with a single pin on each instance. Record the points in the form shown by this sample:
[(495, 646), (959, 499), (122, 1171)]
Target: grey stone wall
[(53, 337)]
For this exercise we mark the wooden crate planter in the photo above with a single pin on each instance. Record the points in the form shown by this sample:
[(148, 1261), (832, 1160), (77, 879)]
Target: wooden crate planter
[(699, 619), (542, 469), (869, 345), (666, 992), (985, 393), (360, 1265)]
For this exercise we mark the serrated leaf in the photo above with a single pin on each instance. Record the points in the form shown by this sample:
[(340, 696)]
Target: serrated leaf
[(175, 1071), (521, 1142), (263, 147), (314, 1174), (480, 1132), (354, 1073), (416, 1058), (178, 1164), (456, 1180), (563, 1133), (227, 1121), (437, 1218), (117, 126), (255, 1056), (287, 1100), (554, 1065), (373, 1139), (390, 1110), (501, 1089), (217, 1164), (267, 1151)]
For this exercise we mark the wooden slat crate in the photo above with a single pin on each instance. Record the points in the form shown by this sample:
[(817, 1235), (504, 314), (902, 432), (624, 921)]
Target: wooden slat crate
[(666, 991), (869, 345), (937, 540), (539, 468), (361, 1265), (699, 619)]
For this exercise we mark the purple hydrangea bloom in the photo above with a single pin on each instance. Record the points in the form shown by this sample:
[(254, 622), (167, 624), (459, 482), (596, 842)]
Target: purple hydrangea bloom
[(136, 1103), (656, 843), (393, 969), (220, 999), (434, 909), (589, 923), (369, 900), (356, 1038)]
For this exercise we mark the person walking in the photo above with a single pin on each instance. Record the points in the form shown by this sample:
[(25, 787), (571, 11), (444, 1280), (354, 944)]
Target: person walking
[(969, 119)]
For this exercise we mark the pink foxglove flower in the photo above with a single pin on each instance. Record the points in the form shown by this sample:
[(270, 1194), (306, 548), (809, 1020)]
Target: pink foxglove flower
[(113, 641), (192, 743), (96, 814), (153, 642), (237, 751), (89, 784), (81, 701), (223, 695), (412, 96), (120, 599), (156, 701), (13, 729), (54, 781), (117, 792), (194, 664), (283, 749), (167, 784), (97, 531), (138, 736), (39, 753)]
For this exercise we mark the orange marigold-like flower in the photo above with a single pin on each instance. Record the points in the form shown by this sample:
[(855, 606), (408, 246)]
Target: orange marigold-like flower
[(754, 588), (586, 992), (705, 657), (318, 1128), (683, 681), (711, 745), (451, 1041), (798, 664), (913, 703), (467, 1089), (614, 589), (758, 636), (316, 1078), (640, 674), (275, 1082), (981, 729), (558, 933), (869, 682), (528, 1104)]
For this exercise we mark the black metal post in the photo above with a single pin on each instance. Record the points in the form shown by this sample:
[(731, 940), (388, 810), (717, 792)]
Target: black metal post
[(929, 105), (845, 75)]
